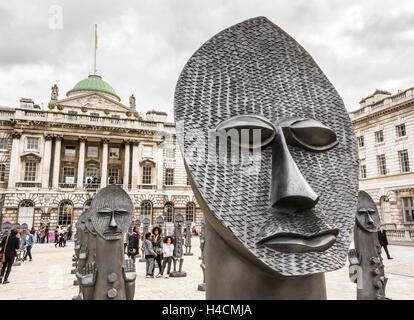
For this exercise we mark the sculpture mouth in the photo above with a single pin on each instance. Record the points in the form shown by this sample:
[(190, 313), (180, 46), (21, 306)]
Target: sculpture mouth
[(113, 233), (297, 243)]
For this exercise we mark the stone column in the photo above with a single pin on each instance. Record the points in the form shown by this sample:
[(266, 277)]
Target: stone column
[(14, 160), (47, 156), (56, 161), (135, 166), (81, 162), (160, 168), (104, 172), (126, 163)]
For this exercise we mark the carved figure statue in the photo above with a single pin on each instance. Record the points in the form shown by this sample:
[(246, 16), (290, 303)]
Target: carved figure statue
[(365, 262), (145, 224), (159, 222), (132, 102), (106, 274), (202, 286), (188, 239), (178, 247), (55, 92), (272, 158)]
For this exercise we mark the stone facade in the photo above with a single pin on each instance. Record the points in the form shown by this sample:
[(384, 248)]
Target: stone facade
[(53, 161), (384, 126)]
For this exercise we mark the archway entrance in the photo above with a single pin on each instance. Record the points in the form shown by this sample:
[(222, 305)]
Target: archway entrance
[(26, 213)]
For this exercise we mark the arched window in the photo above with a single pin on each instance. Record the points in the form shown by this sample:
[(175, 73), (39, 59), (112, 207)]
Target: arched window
[(65, 213), (190, 211), (26, 213), (146, 210), (169, 212)]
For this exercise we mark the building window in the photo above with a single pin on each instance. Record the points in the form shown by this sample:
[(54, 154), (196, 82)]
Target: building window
[(401, 130), (3, 143), (69, 175), (91, 172), (94, 116), (65, 213), (30, 171), (408, 210), (146, 210), (147, 152), (113, 176), (361, 141), (169, 212), (2, 171), (70, 151), (189, 212), (362, 169), (170, 153), (188, 181), (115, 118), (114, 153), (382, 165), (404, 161), (146, 175), (32, 143), (169, 177), (73, 115), (379, 136), (92, 151)]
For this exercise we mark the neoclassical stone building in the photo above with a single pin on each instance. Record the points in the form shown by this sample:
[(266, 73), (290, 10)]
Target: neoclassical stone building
[(384, 126), (53, 161)]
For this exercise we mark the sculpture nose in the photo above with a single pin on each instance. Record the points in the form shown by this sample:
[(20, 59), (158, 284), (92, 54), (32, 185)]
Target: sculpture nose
[(369, 219), (112, 223), (290, 192)]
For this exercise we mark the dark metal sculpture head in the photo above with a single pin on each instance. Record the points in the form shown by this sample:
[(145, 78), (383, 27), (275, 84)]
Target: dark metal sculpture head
[(178, 220), (146, 222), (159, 221), (284, 191), (111, 212), (367, 216)]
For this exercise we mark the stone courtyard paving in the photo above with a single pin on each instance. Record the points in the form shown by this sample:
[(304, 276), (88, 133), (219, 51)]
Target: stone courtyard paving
[(48, 277)]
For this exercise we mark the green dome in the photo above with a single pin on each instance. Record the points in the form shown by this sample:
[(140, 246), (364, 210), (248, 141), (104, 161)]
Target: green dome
[(94, 83)]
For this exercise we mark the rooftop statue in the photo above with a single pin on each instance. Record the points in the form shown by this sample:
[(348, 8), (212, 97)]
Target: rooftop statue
[(280, 198)]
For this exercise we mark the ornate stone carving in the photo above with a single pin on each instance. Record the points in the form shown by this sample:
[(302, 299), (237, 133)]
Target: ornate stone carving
[(55, 93), (58, 137), (16, 134), (105, 140), (48, 136), (132, 103), (83, 139)]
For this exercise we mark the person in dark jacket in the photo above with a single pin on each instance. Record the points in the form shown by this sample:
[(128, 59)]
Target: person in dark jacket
[(157, 245), (133, 244), (13, 243), (382, 238)]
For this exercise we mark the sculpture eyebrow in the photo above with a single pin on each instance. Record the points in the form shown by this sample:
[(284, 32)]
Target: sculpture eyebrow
[(105, 210), (121, 210)]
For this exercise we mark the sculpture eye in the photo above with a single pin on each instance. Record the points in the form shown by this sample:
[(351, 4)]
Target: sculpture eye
[(121, 211), (362, 211), (253, 131), (371, 211), (308, 134), (105, 211)]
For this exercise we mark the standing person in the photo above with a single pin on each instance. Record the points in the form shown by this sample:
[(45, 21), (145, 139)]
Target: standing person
[(56, 236), (9, 245), (28, 241), (157, 245), (149, 255), (167, 251), (69, 232), (133, 244), (382, 238), (46, 234), (38, 235)]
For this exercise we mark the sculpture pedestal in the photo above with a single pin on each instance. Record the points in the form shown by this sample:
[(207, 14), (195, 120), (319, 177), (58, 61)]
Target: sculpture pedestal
[(178, 274), (202, 287)]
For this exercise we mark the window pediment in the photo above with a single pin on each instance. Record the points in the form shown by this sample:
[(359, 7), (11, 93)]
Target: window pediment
[(147, 162), (30, 156)]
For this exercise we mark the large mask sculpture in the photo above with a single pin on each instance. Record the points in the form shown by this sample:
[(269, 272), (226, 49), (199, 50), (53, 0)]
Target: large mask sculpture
[(365, 262), (280, 198), (106, 274)]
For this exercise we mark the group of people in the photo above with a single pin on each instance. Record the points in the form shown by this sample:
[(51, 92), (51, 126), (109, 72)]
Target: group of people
[(156, 249), (62, 234), (9, 245), (42, 234)]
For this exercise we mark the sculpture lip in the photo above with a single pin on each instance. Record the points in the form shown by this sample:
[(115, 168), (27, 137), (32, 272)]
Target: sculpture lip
[(299, 243)]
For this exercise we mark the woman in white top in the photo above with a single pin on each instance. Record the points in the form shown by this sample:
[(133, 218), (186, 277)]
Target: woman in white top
[(167, 250)]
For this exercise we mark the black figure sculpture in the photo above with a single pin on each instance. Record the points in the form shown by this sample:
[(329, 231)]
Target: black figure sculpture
[(202, 286), (365, 262), (187, 242), (280, 198), (106, 274), (145, 224), (178, 247)]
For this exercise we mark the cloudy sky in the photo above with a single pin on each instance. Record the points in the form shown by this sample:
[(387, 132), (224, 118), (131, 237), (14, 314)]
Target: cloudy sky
[(143, 45)]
